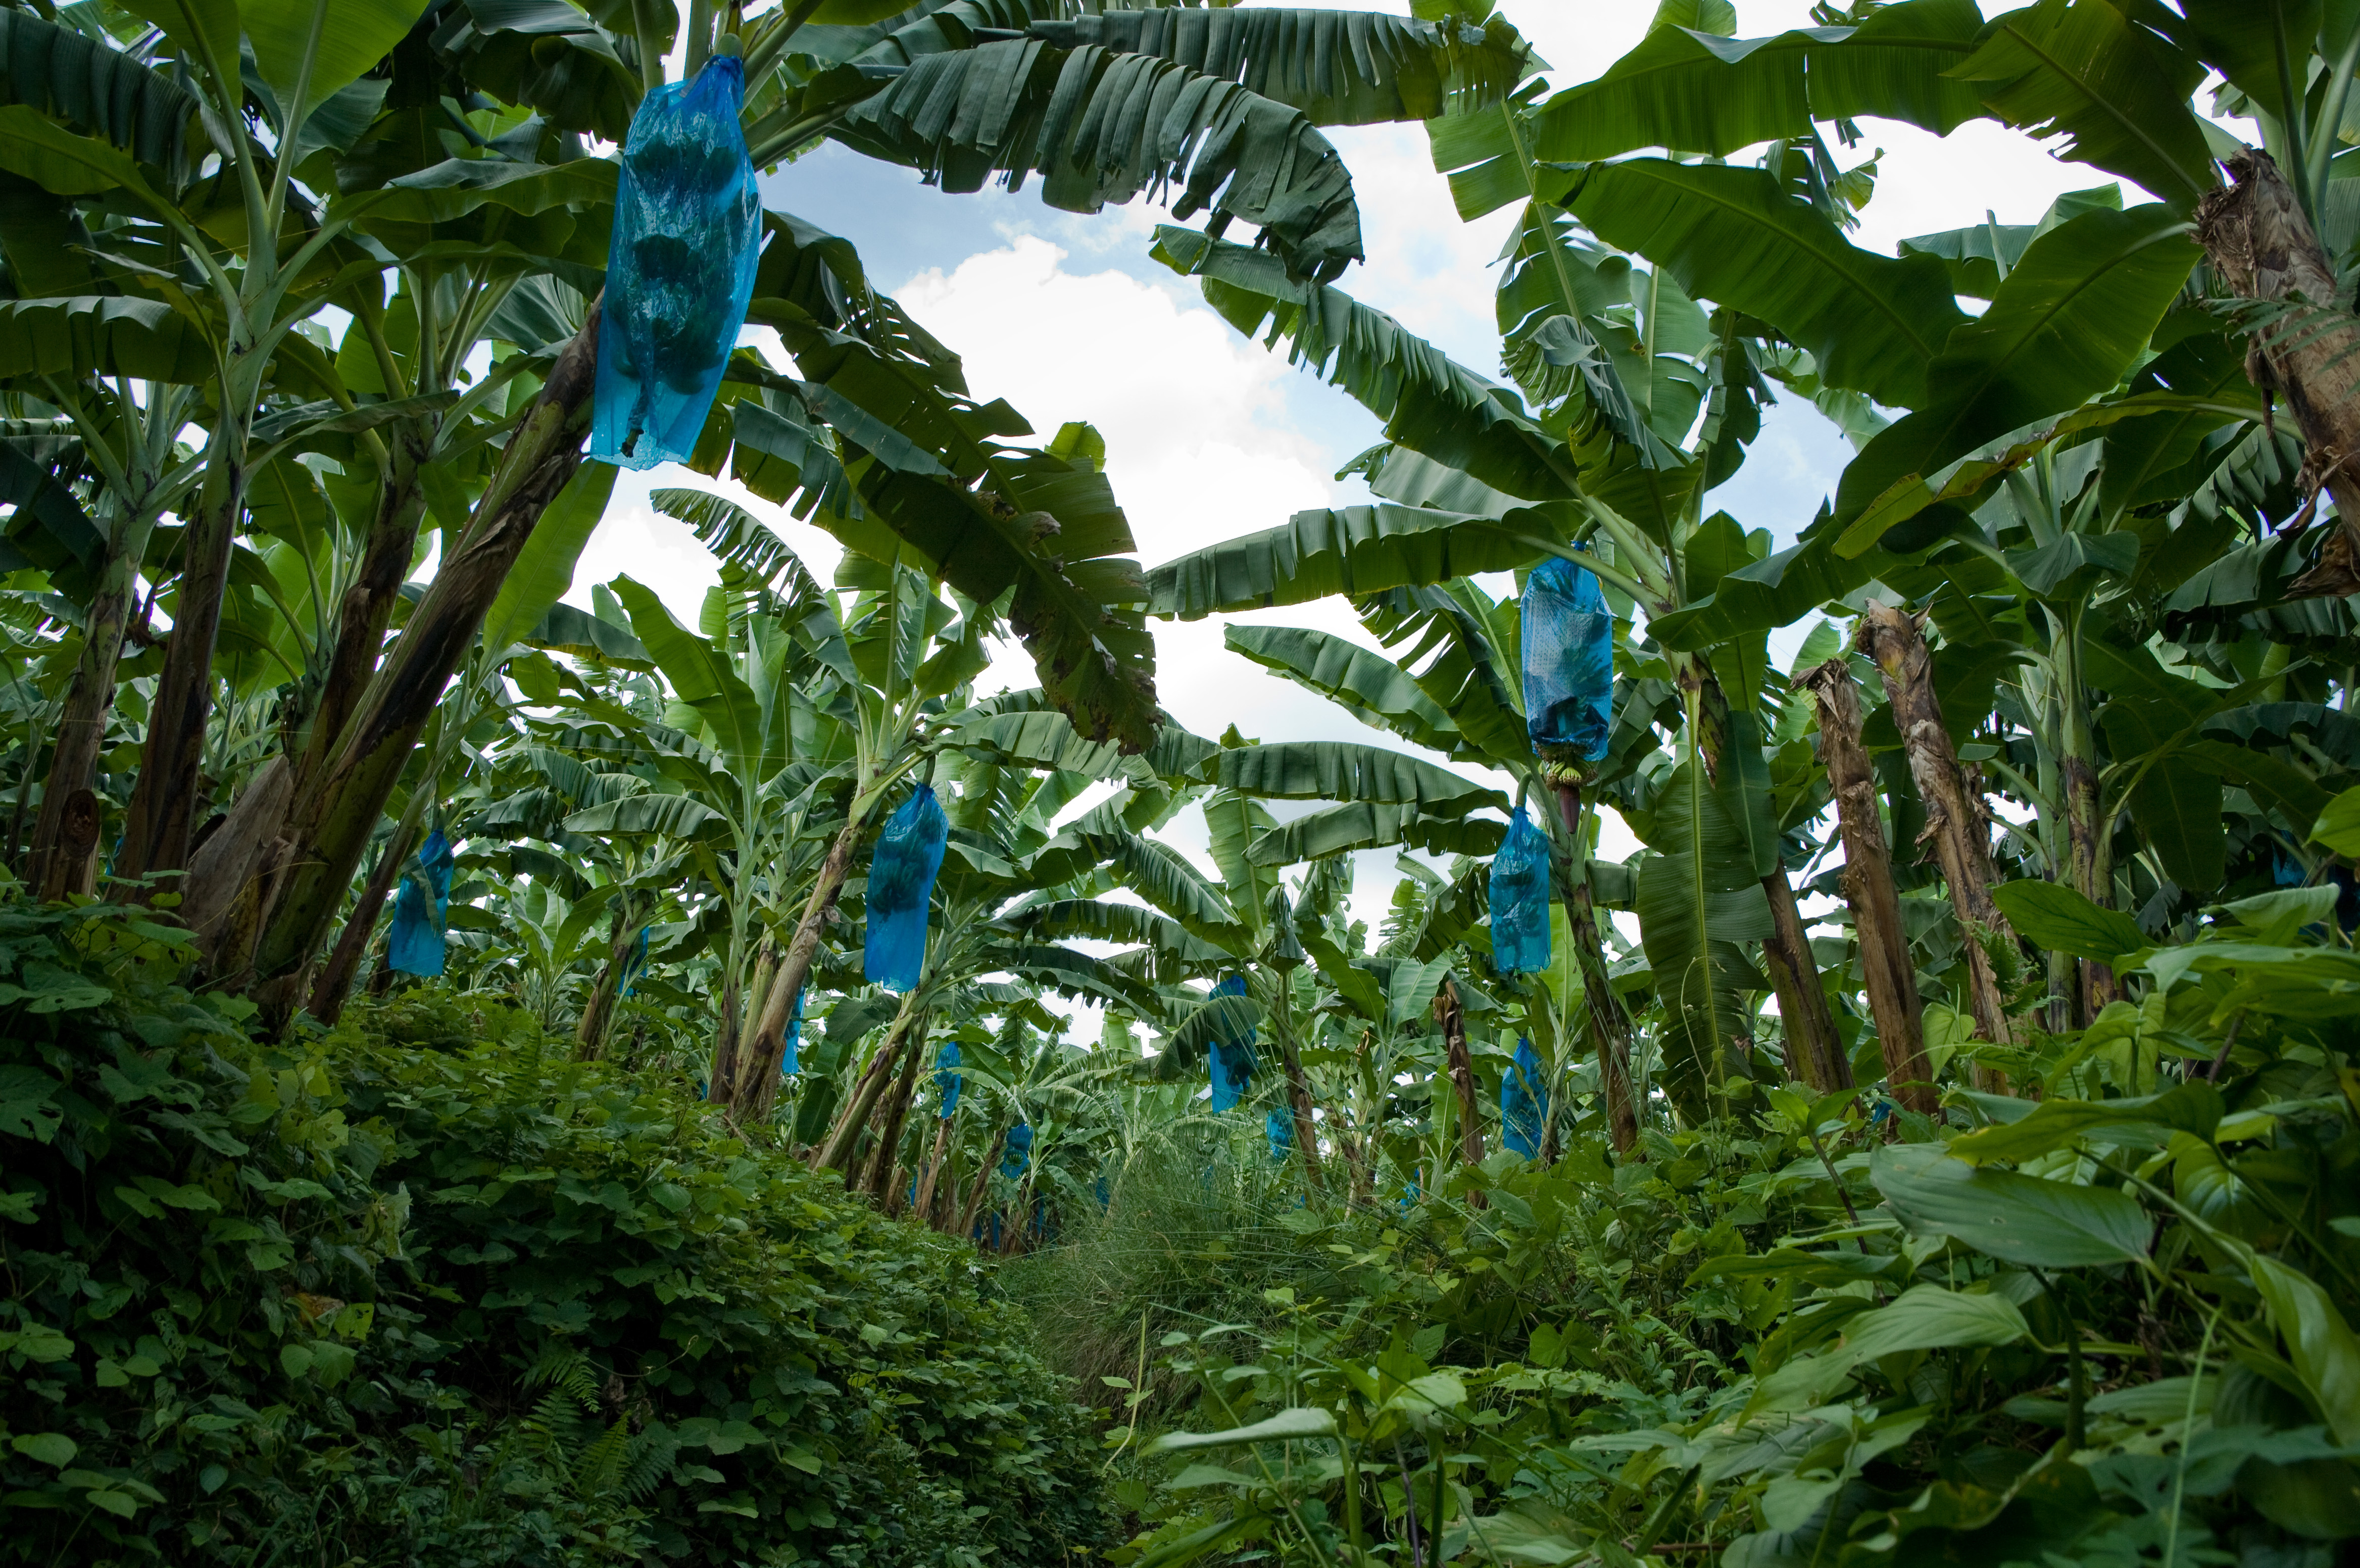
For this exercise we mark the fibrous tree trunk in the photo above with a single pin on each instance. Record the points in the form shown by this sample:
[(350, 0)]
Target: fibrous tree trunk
[(886, 1156), (835, 1150), (2090, 871), (1814, 1051), (334, 984), (1869, 891), (754, 1081), (81, 731), (971, 1211), (228, 870), (598, 1013), (1957, 824), (924, 1206), (1610, 1025), (337, 809), (233, 873), (2263, 245), (1447, 1011), (164, 801), (367, 605), (1018, 1228), (78, 829), (732, 1047)]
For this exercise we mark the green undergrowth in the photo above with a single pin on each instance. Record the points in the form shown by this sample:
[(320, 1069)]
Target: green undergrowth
[(423, 1291), (2109, 1328)]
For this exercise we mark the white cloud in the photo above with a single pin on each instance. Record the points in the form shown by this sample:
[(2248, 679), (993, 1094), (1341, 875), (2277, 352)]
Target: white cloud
[(1198, 447)]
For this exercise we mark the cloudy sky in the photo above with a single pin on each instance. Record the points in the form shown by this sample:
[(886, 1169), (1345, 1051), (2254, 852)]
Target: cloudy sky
[(1207, 434)]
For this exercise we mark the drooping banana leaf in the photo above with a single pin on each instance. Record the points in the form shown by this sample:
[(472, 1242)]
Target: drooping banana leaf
[(1339, 68), (1100, 126)]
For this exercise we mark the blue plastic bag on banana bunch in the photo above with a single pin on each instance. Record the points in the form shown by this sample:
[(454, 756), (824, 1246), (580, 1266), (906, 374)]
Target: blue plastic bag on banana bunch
[(415, 944), (1016, 1153), (1523, 1103), (1231, 1058), (790, 1051), (1568, 660), (1520, 900), (1279, 1129), (947, 1079), (901, 884), (680, 268)]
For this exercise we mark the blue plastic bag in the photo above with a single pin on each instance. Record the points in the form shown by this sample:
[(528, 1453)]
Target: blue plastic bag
[(900, 882), (415, 944), (1016, 1153), (791, 1050), (947, 1079), (1232, 1057), (680, 268), (1523, 1103), (1568, 660), (1279, 1129), (1520, 900)]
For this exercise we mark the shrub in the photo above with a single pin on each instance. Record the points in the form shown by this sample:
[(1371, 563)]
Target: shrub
[(423, 1291)]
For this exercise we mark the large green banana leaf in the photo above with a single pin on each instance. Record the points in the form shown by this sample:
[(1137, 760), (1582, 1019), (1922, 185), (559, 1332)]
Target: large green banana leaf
[(1689, 89), (1374, 825), (1734, 235), (1368, 686), (1099, 128), (1350, 551), (701, 676), (2112, 86), (1338, 770), (1339, 67), (2073, 315), (1429, 403), (100, 90)]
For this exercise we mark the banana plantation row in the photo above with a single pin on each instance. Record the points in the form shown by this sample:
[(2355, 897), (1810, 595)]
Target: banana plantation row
[(1968, 1044)]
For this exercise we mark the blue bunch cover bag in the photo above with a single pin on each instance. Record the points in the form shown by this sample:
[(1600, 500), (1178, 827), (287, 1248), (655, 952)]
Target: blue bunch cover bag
[(901, 883), (1568, 660), (1018, 1151), (1523, 1103), (948, 1078), (1231, 1058), (791, 1050), (1520, 900), (1279, 1129), (414, 945), (680, 268)]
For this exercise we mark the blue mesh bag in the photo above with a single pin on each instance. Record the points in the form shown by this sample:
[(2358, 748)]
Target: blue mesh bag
[(1231, 1058), (415, 944), (1523, 1103), (1279, 1129), (680, 268), (791, 1050), (1016, 1153), (1568, 660), (947, 1079), (1520, 900), (901, 881)]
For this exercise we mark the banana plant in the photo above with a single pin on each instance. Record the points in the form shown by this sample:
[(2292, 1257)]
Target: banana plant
[(1005, 861)]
